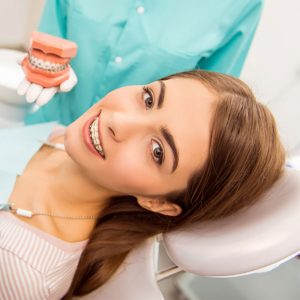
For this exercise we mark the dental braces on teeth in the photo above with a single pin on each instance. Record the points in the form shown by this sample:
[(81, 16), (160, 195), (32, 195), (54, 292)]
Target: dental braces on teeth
[(46, 65), (95, 137)]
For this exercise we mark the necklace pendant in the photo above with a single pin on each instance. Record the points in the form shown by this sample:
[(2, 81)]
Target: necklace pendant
[(5, 207)]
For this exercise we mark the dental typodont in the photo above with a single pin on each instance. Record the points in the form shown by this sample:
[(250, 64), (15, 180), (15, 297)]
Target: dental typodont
[(47, 62)]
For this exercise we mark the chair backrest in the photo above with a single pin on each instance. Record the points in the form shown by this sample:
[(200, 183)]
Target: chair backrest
[(136, 277), (253, 240)]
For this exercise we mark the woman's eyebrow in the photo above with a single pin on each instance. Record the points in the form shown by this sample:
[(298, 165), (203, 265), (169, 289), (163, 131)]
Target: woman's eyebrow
[(164, 131), (161, 96), (170, 140)]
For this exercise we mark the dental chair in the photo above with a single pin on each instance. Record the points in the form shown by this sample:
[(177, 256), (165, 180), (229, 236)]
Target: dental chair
[(254, 240)]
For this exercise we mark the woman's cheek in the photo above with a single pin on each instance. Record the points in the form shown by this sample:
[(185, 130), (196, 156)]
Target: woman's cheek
[(132, 174)]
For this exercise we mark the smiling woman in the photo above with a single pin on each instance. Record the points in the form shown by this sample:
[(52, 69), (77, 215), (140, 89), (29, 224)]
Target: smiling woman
[(190, 147)]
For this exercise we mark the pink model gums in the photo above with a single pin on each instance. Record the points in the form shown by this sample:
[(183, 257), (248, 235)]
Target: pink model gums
[(47, 62)]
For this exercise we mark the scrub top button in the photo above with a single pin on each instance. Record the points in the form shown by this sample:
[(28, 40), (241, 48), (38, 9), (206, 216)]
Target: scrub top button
[(140, 9), (118, 59)]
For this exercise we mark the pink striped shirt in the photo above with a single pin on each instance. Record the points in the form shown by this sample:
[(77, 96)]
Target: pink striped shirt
[(34, 264)]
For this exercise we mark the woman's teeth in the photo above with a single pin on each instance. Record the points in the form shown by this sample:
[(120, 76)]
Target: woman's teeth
[(94, 134)]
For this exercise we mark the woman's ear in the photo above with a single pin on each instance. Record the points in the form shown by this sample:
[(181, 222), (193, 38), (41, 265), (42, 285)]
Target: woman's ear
[(159, 206)]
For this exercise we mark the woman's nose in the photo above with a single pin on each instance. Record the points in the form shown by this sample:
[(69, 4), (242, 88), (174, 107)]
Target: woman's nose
[(123, 125)]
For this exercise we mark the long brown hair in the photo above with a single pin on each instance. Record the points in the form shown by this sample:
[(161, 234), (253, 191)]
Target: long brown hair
[(245, 158)]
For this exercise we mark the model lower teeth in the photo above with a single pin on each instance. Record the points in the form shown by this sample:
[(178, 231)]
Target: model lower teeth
[(95, 137)]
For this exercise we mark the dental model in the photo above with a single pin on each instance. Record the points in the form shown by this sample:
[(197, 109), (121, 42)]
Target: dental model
[(47, 62)]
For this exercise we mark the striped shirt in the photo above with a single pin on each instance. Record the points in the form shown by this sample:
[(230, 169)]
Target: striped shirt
[(34, 264)]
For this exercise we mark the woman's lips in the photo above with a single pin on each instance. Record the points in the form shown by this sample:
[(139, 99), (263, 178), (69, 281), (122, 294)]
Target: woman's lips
[(86, 134)]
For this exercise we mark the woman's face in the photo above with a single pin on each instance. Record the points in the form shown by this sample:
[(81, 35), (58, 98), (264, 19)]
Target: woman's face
[(154, 137)]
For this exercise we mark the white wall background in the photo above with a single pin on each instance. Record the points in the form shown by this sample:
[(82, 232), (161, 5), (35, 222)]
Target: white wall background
[(17, 19), (272, 68)]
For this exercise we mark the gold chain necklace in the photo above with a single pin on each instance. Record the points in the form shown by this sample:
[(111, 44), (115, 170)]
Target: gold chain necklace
[(29, 214)]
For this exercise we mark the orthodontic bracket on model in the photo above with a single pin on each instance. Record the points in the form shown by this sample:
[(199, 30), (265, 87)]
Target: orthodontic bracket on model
[(47, 62)]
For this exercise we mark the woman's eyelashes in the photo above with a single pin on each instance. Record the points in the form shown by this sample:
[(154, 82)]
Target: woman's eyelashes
[(148, 97), (157, 152)]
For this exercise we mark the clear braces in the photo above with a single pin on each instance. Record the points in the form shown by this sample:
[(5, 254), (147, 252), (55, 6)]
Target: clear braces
[(46, 65), (95, 137)]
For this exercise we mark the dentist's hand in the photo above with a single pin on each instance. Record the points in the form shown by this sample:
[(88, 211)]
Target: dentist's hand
[(39, 94)]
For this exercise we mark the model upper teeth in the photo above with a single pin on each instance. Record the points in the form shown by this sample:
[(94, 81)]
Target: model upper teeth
[(94, 134), (46, 65)]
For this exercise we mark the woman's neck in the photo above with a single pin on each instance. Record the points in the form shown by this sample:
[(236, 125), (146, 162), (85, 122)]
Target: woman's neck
[(70, 189), (53, 182)]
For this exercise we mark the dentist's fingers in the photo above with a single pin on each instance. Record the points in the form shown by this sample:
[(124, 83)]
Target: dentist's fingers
[(33, 92), (23, 87), (46, 95), (68, 84)]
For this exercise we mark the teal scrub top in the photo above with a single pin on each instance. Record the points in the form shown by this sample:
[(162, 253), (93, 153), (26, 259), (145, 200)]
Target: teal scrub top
[(136, 42)]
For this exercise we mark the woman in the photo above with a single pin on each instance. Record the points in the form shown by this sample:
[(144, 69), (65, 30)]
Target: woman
[(190, 147)]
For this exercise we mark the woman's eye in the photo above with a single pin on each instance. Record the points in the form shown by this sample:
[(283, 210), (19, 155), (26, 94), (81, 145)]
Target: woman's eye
[(157, 152), (148, 97)]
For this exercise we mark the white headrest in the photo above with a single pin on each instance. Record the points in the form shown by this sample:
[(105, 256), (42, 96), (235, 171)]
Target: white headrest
[(253, 240)]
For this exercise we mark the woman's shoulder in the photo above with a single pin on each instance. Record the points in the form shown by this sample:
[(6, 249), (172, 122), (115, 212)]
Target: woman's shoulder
[(31, 258), (20, 275), (15, 232)]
